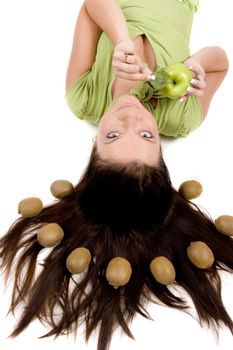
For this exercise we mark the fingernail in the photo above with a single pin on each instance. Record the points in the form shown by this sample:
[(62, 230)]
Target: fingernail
[(151, 77), (190, 89), (190, 67), (193, 81), (181, 99)]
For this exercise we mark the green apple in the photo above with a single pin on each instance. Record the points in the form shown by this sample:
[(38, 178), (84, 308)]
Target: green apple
[(172, 81), (179, 78)]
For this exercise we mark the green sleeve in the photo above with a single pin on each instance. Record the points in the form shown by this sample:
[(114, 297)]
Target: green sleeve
[(78, 94)]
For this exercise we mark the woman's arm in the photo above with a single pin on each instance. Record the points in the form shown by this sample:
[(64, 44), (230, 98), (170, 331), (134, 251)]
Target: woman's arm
[(108, 15), (94, 17), (210, 66), (86, 37), (212, 59)]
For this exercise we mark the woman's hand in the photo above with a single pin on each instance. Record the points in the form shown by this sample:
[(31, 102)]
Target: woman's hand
[(198, 83), (127, 64)]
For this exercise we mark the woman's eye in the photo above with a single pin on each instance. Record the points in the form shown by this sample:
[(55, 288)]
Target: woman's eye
[(113, 135), (146, 134)]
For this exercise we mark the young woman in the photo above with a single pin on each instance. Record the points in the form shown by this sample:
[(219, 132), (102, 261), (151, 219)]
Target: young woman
[(124, 206), (112, 43)]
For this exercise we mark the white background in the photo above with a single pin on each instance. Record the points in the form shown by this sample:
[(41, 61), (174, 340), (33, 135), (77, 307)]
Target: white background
[(41, 141)]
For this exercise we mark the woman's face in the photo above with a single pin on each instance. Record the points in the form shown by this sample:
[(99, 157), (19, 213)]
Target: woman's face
[(128, 132)]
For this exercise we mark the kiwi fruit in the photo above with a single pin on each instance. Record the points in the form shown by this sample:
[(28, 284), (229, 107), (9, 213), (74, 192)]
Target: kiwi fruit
[(61, 188), (78, 260), (190, 189), (200, 255), (50, 235), (224, 224), (30, 207), (163, 270), (118, 272)]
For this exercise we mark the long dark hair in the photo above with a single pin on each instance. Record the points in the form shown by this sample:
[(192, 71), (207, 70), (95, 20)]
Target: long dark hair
[(130, 211)]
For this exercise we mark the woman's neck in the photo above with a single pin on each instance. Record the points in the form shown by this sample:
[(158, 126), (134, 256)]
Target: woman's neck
[(122, 87)]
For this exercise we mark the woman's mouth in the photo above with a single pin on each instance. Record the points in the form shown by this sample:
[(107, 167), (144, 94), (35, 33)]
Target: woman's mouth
[(127, 105)]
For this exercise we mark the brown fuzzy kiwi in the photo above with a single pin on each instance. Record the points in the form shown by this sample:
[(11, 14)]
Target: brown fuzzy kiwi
[(30, 207), (224, 224), (61, 188), (200, 255), (50, 235), (118, 272), (190, 189), (78, 260), (163, 270)]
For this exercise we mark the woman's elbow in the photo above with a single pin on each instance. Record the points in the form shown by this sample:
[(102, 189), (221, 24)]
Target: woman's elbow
[(223, 58)]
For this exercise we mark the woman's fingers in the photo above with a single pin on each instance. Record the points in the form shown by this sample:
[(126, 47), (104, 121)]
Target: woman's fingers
[(195, 92), (125, 67), (132, 76), (198, 71), (183, 98), (200, 84), (197, 87), (145, 70), (124, 57), (129, 66), (126, 46)]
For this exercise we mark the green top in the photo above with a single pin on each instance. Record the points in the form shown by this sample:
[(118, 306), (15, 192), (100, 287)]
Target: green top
[(167, 25)]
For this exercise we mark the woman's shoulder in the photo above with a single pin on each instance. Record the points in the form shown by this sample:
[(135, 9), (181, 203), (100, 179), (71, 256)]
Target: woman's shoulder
[(178, 119), (89, 97), (77, 94), (191, 4)]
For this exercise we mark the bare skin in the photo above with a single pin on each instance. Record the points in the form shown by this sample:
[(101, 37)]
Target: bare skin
[(128, 132)]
